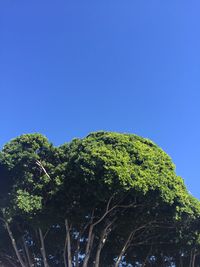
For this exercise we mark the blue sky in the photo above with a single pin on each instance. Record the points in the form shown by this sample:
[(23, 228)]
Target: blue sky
[(71, 67)]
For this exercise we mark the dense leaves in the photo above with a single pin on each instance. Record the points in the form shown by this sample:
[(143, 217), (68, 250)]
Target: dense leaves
[(104, 200)]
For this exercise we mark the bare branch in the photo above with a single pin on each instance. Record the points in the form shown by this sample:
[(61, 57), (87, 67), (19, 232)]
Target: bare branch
[(129, 240), (42, 167), (45, 235), (111, 209)]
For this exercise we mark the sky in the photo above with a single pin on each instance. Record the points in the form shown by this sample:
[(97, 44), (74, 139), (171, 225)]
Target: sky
[(68, 68)]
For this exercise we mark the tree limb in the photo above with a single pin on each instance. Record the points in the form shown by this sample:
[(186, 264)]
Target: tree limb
[(42, 167), (27, 253), (13, 243), (102, 241), (88, 246), (42, 249), (67, 247), (128, 240)]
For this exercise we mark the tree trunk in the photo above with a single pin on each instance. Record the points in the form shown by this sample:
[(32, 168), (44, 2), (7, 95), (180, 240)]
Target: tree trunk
[(65, 253), (127, 243), (42, 249), (102, 241), (99, 248), (67, 248), (193, 258), (14, 244), (88, 246), (77, 253), (27, 253)]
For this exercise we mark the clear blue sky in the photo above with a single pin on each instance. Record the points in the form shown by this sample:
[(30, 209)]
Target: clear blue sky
[(71, 67)]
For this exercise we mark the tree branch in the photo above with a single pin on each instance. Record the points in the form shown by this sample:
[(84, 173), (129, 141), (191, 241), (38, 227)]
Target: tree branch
[(42, 167), (103, 237), (88, 246), (111, 209), (42, 249), (13, 243), (128, 240), (67, 248), (27, 253)]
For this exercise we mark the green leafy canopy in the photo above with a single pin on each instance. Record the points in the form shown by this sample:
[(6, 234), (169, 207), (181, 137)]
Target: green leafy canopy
[(101, 164)]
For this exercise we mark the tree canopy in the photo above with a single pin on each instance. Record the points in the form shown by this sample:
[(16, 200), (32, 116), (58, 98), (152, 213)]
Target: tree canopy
[(108, 199)]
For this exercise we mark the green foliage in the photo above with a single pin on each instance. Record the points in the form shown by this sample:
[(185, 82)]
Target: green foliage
[(90, 170), (43, 185), (29, 186), (27, 202), (116, 162)]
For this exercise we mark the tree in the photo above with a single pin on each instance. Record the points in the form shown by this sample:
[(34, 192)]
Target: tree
[(104, 200)]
